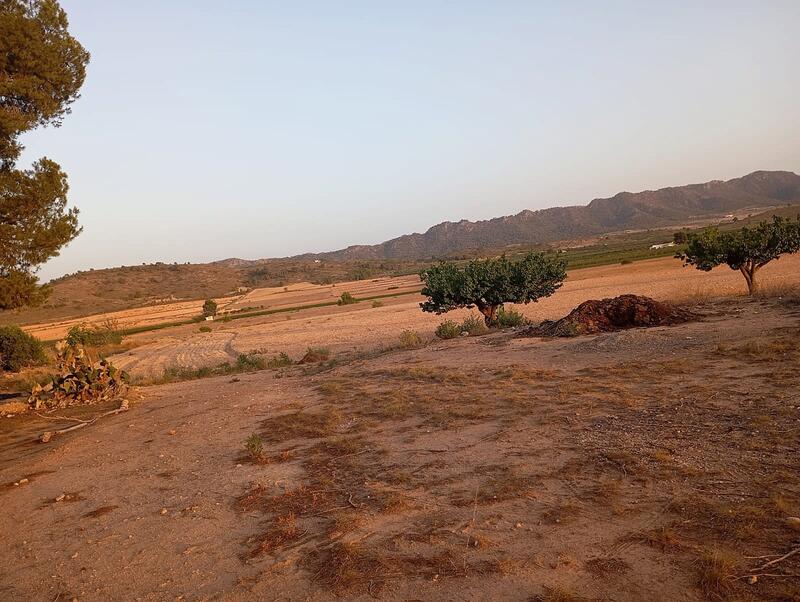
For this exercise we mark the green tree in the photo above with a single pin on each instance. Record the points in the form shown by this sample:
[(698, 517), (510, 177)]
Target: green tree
[(746, 250), (42, 68), (488, 284), (210, 308)]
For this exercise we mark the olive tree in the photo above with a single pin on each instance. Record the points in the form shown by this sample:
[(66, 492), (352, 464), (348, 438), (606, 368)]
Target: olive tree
[(746, 250), (209, 308), (488, 284), (42, 68)]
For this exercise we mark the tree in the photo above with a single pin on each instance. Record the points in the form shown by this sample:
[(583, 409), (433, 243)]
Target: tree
[(488, 284), (210, 308), (746, 250), (42, 68)]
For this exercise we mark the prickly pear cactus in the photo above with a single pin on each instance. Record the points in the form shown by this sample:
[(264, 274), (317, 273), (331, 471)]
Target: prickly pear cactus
[(79, 381)]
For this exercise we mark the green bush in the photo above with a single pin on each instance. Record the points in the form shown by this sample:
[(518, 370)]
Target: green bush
[(280, 361), (247, 362), (18, 349), (473, 325), (209, 308), (509, 318), (346, 299), (205, 329), (448, 330), (254, 446), (410, 339), (94, 336)]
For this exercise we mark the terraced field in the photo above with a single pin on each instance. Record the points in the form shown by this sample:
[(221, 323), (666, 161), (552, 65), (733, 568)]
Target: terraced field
[(361, 326)]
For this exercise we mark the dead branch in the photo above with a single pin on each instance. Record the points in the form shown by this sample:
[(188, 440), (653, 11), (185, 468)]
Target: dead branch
[(47, 435), (777, 560)]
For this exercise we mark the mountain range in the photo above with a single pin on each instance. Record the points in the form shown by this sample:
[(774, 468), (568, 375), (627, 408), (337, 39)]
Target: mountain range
[(624, 211)]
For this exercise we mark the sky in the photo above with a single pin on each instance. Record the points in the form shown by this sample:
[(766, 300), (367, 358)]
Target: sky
[(253, 129)]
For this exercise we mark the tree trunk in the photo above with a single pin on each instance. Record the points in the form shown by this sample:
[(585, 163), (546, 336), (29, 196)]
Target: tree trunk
[(489, 313), (749, 272)]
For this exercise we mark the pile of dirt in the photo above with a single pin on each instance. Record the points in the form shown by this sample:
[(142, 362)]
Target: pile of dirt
[(609, 315)]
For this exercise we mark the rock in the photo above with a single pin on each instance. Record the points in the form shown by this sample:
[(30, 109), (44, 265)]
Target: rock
[(163, 511), (61, 497), (313, 356), (609, 315), (793, 522)]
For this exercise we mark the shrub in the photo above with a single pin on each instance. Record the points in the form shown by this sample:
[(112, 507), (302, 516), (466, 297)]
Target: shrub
[(279, 361), (473, 325), (625, 262), (254, 446), (346, 299), (96, 335), (509, 318), (448, 330), (209, 308), (205, 329), (18, 349), (377, 303), (79, 381), (249, 362), (410, 339)]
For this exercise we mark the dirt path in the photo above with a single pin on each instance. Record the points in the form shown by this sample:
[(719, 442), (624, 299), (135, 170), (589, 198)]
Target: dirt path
[(478, 469)]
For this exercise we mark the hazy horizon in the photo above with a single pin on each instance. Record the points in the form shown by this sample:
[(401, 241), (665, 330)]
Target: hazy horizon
[(206, 132)]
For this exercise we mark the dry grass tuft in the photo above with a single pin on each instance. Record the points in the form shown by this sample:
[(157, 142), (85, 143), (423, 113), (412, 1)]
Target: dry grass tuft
[(715, 570)]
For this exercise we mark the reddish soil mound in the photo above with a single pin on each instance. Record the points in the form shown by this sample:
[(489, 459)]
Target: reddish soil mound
[(608, 315)]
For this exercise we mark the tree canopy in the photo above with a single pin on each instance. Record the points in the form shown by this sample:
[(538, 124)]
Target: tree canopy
[(746, 250), (42, 68), (488, 284)]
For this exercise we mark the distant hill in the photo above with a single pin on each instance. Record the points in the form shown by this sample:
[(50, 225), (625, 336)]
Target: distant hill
[(624, 211), (94, 291)]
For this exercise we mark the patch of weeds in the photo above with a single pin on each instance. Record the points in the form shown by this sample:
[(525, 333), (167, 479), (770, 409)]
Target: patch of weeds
[(474, 325), (346, 299), (296, 425), (715, 569), (448, 330), (255, 447), (510, 318), (281, 360), (410, 339)]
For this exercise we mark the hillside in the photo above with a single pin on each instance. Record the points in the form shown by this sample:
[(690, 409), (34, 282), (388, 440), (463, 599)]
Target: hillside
[(624, 211), (579, 229)]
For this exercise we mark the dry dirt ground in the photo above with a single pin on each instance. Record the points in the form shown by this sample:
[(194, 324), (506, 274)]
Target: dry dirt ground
[(358, 328), (649, 464)]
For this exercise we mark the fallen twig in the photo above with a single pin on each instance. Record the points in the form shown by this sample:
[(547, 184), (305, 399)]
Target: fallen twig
[(777, 560), (47, 435)]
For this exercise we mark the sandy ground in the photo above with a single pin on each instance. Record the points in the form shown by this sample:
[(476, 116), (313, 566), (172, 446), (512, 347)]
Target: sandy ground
[(475, 469), (361, 327), (650, 464)]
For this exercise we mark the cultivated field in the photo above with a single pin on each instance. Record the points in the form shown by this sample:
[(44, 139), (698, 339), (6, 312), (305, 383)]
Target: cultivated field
[(358, 328), (649, 464)]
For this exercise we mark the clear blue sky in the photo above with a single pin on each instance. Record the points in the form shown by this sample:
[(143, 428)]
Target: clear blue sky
[(258, 129)]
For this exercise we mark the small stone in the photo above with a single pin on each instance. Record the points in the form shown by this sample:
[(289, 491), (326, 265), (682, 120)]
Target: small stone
[(21, 482), (793, 522), (61, 497), (753, 579), (173, 432), (163, 511), (518, 526), (74, 556)]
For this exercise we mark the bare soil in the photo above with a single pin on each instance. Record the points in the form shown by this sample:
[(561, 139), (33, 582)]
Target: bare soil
[(645, 464)]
